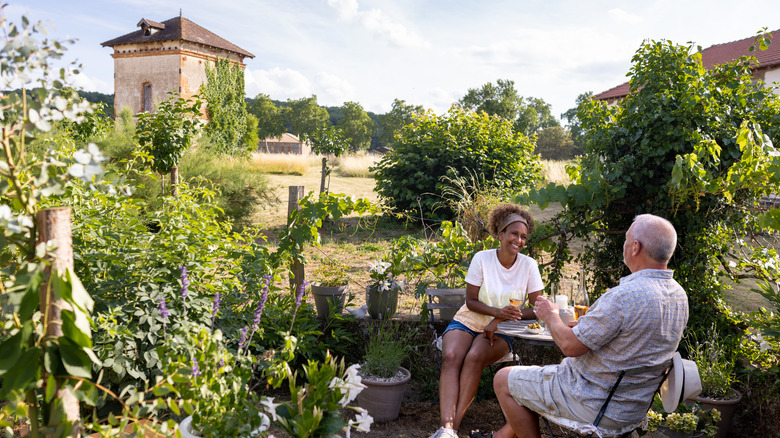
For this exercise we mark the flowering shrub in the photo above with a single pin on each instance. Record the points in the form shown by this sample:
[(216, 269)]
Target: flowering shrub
[(383, 277), (684, 419)]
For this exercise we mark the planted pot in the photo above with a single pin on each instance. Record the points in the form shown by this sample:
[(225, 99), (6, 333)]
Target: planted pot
[(382, 397), (726, 408), (326, 297), (383, 303), (664, 432)]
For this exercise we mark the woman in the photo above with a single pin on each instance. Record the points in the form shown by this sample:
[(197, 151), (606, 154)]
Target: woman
[(470, 341)]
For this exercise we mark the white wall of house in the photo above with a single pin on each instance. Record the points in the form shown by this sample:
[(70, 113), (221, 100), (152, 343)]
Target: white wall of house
[(773, 76)]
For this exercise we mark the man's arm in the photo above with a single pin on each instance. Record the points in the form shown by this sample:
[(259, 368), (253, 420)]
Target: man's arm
[(562, 334)]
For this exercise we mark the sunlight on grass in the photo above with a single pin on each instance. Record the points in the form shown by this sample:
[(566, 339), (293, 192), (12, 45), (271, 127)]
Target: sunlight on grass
[(356, 165), (283, 164), (555, 171)]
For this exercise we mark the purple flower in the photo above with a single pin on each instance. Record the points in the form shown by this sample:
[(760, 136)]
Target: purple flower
[(299, 297), (195, 370), (222, 362), (214, 310), (243, 339), (185, 282), (259, 310), (163, 309)]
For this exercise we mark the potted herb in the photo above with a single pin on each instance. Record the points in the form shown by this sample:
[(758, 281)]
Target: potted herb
[(716, 371), (384, 378), (330, 287), (382, 293)]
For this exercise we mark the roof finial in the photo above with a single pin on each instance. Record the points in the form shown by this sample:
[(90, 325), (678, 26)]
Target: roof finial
[(179, 12)]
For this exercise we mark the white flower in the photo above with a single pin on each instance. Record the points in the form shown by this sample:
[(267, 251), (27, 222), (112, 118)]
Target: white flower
[(270, 407), (5, 212), (363, 421), (351, 386), (763, 346)]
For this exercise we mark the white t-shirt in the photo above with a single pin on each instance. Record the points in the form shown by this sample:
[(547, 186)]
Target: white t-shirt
[(496, 284)]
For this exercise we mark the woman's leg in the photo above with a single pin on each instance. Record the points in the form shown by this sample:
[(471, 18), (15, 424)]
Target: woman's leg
[(455, 345), (480, 355)]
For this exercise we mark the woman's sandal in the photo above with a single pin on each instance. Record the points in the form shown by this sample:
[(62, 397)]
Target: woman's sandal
[(479, 434)]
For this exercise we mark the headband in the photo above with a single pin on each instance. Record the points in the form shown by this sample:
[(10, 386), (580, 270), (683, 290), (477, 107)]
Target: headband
[(512, 219)]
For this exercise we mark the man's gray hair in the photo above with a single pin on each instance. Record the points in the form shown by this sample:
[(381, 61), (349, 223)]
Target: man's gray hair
[(657, 236)]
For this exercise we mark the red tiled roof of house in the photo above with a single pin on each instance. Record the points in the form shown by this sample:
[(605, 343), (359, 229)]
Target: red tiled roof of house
[(178, 28), (718, 54)]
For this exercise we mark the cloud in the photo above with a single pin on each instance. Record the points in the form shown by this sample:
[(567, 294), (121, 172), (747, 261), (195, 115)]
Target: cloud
[(333, 90), (278, 83), (88, 83), (623, 17), (378, 23)]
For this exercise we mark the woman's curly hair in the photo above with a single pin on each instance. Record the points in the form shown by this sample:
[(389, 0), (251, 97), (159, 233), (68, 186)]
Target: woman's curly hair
[(501, 212)]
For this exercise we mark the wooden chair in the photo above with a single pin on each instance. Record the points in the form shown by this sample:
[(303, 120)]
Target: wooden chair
[(664, 370), (437, 297)]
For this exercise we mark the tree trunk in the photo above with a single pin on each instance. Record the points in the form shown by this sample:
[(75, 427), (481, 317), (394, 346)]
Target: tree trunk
[(54, 225), (296, 267), (324, 172), (175, 181)]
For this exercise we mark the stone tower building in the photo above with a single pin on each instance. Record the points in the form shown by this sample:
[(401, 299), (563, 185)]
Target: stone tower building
[(163, 57)]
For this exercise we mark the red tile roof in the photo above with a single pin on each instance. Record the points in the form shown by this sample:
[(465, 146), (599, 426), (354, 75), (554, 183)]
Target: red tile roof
[(718, 54), (178, 28)]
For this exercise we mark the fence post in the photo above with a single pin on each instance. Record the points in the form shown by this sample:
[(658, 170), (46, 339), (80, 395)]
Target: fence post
[(296, 267), (54, 224)]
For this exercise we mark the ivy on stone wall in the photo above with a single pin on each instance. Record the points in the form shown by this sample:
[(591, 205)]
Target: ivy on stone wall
[(232, 129)]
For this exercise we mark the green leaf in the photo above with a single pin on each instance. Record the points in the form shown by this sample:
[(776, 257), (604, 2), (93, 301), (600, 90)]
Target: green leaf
[(10, 350), (51, 387), (77, 362), (27, 369), (75, 333)]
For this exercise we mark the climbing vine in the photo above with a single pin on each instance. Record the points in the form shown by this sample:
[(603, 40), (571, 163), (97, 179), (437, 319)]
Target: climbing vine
[(232, 129)]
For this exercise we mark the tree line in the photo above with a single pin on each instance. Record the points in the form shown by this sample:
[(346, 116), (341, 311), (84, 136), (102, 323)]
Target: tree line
[(365, 130)]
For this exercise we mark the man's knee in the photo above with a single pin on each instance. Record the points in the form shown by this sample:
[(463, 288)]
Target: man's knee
[(501, 381)]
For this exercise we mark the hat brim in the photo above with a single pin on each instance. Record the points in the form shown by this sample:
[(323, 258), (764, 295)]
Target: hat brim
[(672, 387)]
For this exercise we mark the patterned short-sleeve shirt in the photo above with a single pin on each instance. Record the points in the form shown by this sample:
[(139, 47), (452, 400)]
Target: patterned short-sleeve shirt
[(638, 323)]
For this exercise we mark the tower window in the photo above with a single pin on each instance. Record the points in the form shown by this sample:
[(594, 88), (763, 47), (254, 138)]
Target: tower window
[(146, 101)]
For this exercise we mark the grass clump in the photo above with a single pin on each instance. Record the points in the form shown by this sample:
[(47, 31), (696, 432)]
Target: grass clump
[(356, 165), (283, 164)]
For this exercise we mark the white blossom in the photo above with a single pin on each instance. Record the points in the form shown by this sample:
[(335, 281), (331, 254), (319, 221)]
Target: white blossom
[(270, 407), (362, 421)]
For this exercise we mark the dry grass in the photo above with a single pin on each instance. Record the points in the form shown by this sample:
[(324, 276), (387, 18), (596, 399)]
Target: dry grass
[(283, 164), (555, 172), (356, 165)]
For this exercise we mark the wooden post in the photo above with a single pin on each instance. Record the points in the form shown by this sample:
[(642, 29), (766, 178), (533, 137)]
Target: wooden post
[(174, 181), (54, 225), (296, 268), (324, 172)]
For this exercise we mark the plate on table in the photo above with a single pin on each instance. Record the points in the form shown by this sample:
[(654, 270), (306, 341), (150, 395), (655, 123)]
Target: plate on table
[(535, 331)]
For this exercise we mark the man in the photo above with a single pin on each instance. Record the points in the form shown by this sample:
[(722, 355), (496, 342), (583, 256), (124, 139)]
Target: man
[(638, 323)]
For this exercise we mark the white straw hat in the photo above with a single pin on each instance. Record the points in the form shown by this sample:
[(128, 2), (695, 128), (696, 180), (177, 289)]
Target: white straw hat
[(683, 383)]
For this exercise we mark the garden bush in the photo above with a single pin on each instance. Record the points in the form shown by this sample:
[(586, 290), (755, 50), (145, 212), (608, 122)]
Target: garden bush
[(410, 177)]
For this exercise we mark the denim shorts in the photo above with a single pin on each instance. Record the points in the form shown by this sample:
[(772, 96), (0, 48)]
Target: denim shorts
[(455, 325)]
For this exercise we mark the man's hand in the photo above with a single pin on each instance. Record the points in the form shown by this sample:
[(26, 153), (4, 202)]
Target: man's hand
[(544, 309)]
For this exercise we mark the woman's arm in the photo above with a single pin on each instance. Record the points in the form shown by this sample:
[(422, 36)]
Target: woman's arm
[(475, 305)]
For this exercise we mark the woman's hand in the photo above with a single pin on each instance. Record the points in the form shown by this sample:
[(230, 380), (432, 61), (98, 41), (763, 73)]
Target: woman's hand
[(510, 313), (491, 329)]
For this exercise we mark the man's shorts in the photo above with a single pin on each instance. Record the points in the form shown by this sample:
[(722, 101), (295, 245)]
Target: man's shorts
[(537, 388)]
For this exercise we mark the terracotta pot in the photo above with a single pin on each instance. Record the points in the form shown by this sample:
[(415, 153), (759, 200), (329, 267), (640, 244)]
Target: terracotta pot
[(187, 431), (726, 408), (382, 303), (382, 399), (327, 296), (665, 432)]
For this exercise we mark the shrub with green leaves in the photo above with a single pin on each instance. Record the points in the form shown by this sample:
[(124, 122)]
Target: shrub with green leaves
[(410, 178)]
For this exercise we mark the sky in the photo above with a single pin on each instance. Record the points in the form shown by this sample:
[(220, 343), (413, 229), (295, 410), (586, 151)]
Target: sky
[(424, 52)]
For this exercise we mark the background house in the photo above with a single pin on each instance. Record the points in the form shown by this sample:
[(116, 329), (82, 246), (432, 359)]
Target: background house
[(286, 144), (768, 68), (163, 57)]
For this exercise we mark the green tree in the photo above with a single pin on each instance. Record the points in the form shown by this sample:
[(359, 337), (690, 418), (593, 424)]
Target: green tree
[(356, 126), (168, 132), (433, 150), (399, 116), (328, 141), (554, 143), (529, 115), (305, 116), (270, 120), (231, 130), (573, 122)]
